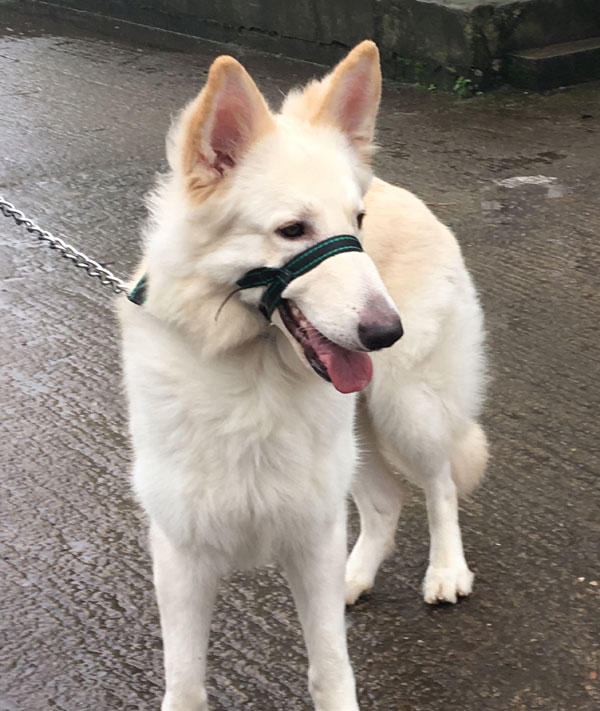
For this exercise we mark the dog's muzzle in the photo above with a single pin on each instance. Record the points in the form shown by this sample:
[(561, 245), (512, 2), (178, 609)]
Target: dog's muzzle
[(277, 279)]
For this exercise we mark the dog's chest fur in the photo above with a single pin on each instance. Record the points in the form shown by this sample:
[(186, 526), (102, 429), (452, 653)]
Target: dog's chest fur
[(238, 453)]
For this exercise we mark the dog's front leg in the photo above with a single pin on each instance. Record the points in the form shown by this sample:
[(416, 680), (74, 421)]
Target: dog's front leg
[(315, 571), (186, 588)]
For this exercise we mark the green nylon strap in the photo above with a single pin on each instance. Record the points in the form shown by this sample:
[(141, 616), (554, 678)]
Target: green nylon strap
[(138, 293), (276, 279)]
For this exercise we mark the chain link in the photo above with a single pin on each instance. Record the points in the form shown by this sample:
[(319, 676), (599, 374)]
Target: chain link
[(79, 259)]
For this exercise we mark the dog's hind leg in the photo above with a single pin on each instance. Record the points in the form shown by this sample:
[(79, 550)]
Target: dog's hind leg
[(447, 575), (413, 427), (378, 495), (443, 480), (315, 572), (186, 591)]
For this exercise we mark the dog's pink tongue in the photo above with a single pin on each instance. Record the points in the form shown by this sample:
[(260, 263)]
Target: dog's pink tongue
[(349, 371)]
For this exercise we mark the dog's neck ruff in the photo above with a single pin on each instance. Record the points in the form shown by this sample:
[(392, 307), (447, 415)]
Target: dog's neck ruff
[(276, 279)]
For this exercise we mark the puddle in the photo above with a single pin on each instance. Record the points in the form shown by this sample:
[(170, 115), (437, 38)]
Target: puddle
[(519, 180), (554, 189)]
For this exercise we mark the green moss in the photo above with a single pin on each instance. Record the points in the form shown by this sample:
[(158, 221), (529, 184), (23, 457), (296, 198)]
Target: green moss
[(463, 87)]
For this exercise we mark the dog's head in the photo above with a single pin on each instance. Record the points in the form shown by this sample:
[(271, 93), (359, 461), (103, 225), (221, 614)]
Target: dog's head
[(254, 189)]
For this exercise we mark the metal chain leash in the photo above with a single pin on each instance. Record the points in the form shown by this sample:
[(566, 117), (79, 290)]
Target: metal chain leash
[(79, 259)]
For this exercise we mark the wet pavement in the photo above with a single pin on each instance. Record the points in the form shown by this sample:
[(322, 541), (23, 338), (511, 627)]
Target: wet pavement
[(81, 138)]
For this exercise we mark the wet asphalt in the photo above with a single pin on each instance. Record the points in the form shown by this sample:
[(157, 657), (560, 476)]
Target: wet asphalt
[(84, 108)]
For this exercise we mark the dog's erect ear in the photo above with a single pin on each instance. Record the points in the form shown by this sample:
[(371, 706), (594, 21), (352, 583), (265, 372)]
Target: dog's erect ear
[(219, 126), (352, 93)]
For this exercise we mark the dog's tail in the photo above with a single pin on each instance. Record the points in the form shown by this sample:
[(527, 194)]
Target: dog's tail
[(469, 459)]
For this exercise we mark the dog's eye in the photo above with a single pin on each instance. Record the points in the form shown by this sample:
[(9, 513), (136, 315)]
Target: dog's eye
[(296, 229), (359, 218)]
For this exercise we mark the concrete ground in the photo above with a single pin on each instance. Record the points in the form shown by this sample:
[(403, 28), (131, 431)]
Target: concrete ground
[(81, 138)]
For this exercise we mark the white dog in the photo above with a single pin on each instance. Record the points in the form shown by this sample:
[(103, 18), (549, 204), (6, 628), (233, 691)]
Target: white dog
[(245, 428)]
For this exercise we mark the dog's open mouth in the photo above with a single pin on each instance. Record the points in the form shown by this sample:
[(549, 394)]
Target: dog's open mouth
[(348, 371)]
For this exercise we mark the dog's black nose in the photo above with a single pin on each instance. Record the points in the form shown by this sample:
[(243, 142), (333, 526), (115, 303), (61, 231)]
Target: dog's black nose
[(378, 335)]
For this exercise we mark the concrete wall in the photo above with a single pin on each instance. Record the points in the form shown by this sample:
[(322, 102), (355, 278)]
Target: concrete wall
[(420, 40)]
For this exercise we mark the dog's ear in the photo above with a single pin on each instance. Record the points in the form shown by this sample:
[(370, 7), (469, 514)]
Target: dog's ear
[(351, 96), (219, 126)]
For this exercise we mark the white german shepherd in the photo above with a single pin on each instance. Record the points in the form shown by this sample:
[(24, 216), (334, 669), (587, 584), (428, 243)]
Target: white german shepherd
[(246, 435)]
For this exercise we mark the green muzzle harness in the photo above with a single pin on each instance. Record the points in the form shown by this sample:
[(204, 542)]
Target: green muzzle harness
[(276, 279)]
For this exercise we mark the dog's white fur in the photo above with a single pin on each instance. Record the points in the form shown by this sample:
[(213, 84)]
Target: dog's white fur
[(243, 455)]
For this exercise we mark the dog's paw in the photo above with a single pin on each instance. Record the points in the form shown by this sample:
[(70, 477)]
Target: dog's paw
[(447, 584), (197, 701), (355, 587)]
